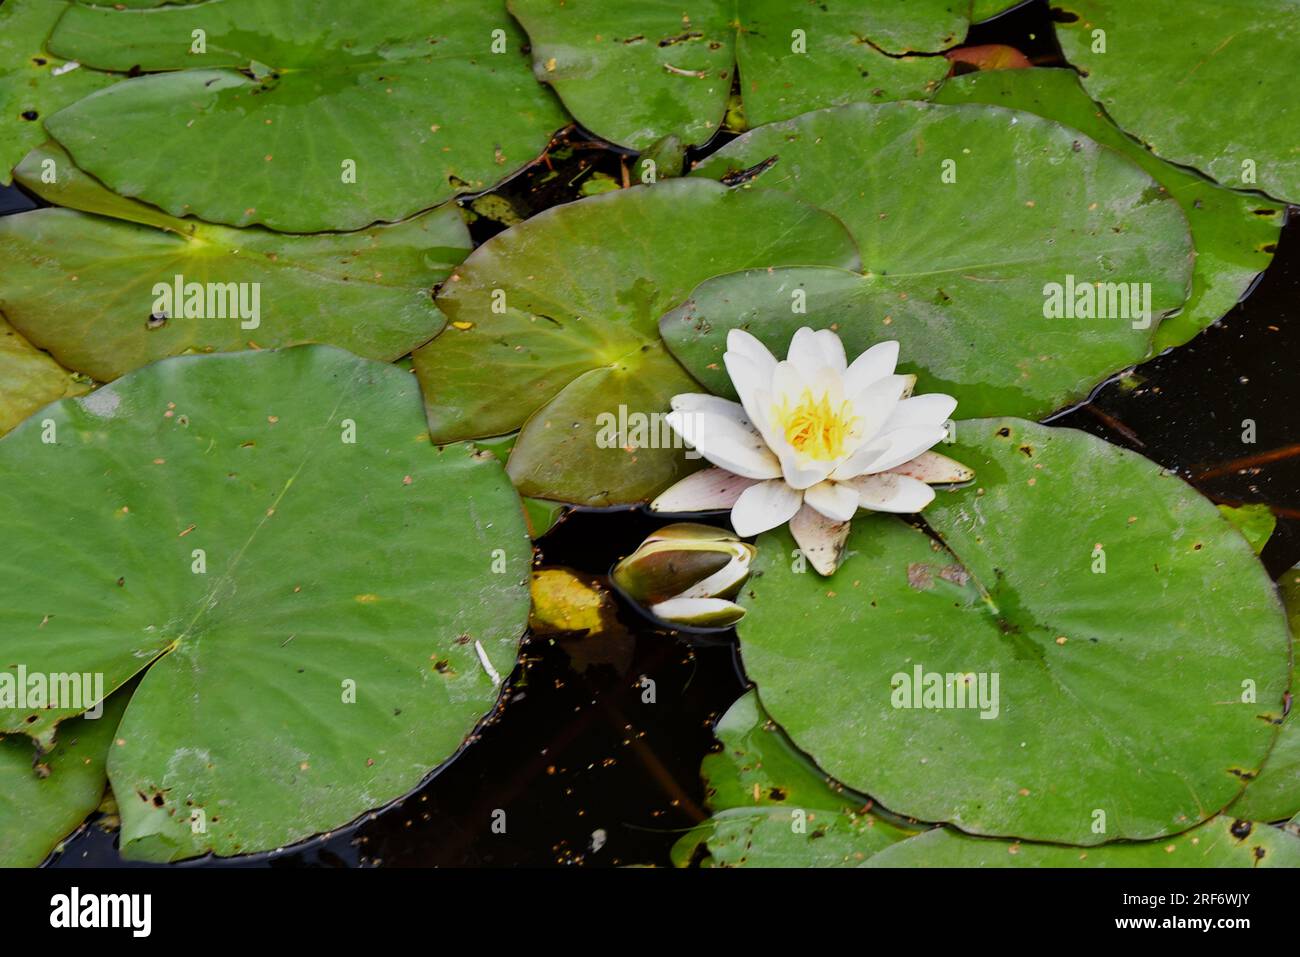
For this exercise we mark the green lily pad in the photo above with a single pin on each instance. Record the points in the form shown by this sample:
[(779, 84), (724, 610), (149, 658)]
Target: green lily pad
[(554, 327), (321, 602), (369, 291), (1255, 521), (287, 121), (33, 83), (540, 514), (29, 379), (1220, 842), (1275, 794), (143, 4), (1100, 654), (673, 66), (982, 10), (962, 281), (634, 73), (1198, 81), (849, 53), (44, 797), (772, 807), (1234, 233), (905, 26)]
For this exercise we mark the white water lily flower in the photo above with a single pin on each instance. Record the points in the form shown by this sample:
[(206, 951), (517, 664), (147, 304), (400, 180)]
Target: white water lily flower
[(812, 440)]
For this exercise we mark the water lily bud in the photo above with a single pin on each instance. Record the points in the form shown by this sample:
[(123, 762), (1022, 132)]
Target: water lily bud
[(687, 573)]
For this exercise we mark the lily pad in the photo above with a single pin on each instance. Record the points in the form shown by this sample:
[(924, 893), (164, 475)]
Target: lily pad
[(553, 329), (320, 601), (634, 73), (540, 514), (287, 121), (1220, 842), (1234, 233), (1275, 794), (772, 807), (967, 274), (1255, 521), (33, 83), (982, 10), (43, 797), (1087, 652), (29, 379), (98, 289), (1198, 81), (799, 57), (673, 66), (142, 4)]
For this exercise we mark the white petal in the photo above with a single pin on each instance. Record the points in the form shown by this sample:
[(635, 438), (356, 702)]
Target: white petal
[(875, 404), (702, 491), (857, 463), (734, 446), (876, 363), (789, 384), (814, 352), (903, 445), (691, 403), (933, 408), (837, 502), (760, 418), (893, 385), (800, 471), (805, 352), (833, 350), (713, 404), (891, 493), (699, 612), (748, 380), (749, 347), (764, 506), (821, 540), (750, 366), (934, 468)]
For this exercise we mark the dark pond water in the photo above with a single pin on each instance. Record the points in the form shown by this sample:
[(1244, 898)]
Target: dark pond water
[(590, 773)]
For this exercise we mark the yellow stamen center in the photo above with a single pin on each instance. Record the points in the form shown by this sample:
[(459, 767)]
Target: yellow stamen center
[(815, 427)]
